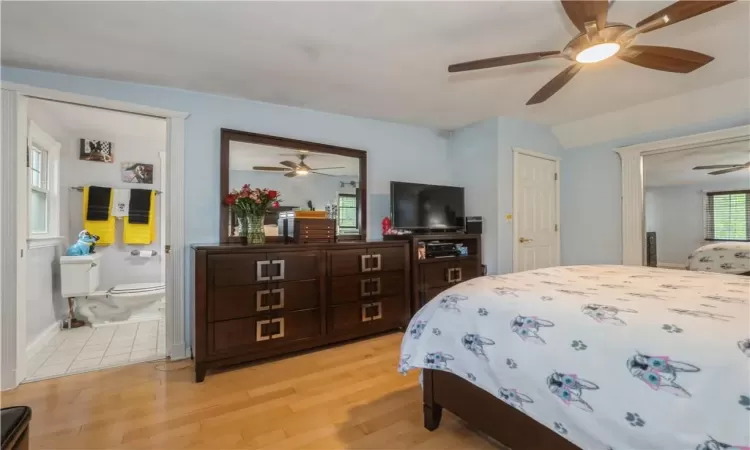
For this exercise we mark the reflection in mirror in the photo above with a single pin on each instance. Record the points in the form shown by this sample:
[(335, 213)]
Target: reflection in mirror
[(306, 180), (694, 200)]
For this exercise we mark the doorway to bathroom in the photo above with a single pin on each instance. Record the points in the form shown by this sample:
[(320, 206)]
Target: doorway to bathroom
[(92, 171)]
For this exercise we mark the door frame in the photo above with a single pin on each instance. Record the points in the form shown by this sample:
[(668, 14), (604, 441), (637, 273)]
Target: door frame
[(631, 157), (516, 204), (12, 331)]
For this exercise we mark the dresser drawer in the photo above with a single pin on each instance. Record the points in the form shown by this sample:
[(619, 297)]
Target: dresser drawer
[(468, 269), (234, 302), (346, 262), (290, 266), (385, 259), (261, 332), (367, 314), (235, 270), (365, 287), (435, 275)]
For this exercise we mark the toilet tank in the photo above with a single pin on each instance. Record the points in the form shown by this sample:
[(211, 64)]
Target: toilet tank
[(79, 275)]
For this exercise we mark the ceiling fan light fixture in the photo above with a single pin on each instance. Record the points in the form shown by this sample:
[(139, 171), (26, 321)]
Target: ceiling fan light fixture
[(598, 52), (302, 171)]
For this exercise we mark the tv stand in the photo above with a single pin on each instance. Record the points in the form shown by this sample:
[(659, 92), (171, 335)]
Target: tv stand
[(432, 276)]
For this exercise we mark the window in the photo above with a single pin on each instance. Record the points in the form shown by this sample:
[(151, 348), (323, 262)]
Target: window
[(39, 194), (43, 161), (728, 216), (347, 211)]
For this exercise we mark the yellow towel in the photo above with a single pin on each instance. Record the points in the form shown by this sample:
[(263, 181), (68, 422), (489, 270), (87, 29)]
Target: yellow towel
[(105, 229), (139, 233)]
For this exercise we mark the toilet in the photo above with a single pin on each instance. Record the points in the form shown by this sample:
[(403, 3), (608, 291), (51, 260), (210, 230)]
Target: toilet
[(80, 280)]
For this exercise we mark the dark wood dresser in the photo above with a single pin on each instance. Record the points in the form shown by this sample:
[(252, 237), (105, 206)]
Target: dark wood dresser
[(254, 302)]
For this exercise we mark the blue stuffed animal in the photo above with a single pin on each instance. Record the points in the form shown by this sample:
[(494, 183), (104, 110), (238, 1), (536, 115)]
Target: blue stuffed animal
[(85, 245)]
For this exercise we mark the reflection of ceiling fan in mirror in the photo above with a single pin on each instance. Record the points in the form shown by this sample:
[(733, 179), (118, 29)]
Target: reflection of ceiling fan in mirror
[(599, 39), (293, 169), (725, 168)]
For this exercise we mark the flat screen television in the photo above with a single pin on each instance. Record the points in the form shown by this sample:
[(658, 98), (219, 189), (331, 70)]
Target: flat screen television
[(426, 206)]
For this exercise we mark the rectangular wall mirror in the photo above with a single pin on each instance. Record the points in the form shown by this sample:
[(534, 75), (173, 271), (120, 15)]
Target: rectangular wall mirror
[(309, 176)]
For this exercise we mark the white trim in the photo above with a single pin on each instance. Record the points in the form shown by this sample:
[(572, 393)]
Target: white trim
[(36, 135), (41, 242), (633, 217), (87, 100), (42, 340), (520, 151), (13, 331), (670, 265)]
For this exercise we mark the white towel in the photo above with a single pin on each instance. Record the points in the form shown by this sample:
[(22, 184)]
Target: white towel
[(121, 203)]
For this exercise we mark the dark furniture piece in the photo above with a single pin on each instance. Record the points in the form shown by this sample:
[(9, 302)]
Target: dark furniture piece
[(651, 249), (306, 231), (432, 276), (274, 143), (14, 422), (254, 302), (485, 412)]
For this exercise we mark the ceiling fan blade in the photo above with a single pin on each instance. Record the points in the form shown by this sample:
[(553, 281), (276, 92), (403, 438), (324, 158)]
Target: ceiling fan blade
[(501, 61), (716, 166), (584, 11), (327, 168), (723, 171), (668, 59), (321, 173), (682, 10), (289, 164), (270, 169), (554, 85), (290, 174)]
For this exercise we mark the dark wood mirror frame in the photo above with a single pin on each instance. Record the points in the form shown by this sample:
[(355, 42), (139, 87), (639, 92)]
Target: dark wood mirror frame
[(244, 136)]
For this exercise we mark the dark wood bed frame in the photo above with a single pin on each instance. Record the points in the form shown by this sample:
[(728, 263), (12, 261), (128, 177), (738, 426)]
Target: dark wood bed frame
[(486, 413)]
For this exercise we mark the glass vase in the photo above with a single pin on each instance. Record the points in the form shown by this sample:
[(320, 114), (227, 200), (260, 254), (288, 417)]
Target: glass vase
[(244, 222), (256, 234)]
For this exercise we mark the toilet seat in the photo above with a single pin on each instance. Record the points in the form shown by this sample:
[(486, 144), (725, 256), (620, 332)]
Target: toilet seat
[(136, 289)]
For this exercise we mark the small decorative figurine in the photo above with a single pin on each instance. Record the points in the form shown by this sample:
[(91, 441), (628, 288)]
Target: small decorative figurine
[(386, 224), (85, 245)]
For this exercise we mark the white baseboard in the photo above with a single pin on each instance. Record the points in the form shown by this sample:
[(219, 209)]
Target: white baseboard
[(177, 352), (42, 340), (670, 265)]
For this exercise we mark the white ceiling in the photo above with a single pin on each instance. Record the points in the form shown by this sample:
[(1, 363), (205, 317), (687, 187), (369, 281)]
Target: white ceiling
[(676, 168), (243, 156), (384, 60), (84, 121)]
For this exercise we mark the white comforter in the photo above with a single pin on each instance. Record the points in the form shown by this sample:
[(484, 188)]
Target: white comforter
[(724, 257), (610, 357)]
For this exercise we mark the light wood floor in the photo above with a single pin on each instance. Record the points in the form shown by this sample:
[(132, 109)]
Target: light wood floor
[(344, 397)]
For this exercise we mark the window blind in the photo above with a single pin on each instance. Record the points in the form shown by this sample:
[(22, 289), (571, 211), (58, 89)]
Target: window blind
[(727, 216)]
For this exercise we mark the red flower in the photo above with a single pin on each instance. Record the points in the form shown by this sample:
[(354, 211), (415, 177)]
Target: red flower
[(230, 199), (272, 194), (275, 204)]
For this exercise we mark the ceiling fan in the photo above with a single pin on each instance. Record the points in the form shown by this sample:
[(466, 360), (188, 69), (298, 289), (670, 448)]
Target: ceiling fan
[(293, 169), (599, 40), (725, 168)]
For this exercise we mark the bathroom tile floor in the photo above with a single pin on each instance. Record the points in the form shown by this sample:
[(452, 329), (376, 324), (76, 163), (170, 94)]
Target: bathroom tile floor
[(85, 349)]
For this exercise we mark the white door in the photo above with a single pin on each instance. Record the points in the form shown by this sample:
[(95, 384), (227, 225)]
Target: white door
[(535, 212)]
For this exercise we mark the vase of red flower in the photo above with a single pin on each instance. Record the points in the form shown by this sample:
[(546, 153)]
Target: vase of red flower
[(250, 206)]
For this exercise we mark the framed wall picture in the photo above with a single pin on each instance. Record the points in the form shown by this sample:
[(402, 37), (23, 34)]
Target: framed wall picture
[(137, 173), (93, 150)]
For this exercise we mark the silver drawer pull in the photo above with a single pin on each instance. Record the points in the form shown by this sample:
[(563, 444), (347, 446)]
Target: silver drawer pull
[(363, 291), (259, 270), (364, 260), (364, 307), (280, 334), (259, 300), (379, 314), (259, 336), (379, 265), (458, 275), (281, 265), (280, 304), (376, 290), (449, 275)]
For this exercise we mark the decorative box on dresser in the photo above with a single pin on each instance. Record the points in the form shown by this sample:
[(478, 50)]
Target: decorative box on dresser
[(255, 302)]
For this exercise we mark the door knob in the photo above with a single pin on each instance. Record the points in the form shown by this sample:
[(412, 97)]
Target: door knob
[(523, 239)]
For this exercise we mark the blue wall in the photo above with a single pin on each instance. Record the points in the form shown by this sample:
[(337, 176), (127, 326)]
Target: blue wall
[(591, 193), (395, 151)]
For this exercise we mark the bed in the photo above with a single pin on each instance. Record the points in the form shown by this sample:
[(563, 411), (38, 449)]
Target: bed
[(592, 357), (723, 257)]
